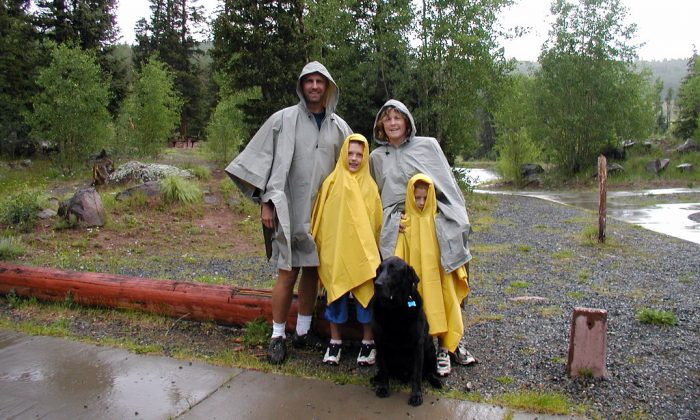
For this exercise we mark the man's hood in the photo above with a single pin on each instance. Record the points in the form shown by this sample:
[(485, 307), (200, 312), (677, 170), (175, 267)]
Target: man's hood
[(332, 91)]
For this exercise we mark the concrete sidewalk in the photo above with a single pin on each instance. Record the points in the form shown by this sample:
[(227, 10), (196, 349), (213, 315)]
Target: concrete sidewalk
[(46, 377)]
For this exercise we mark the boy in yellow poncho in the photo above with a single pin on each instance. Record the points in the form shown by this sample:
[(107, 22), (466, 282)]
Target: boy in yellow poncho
[(345, 223), (442, 293)]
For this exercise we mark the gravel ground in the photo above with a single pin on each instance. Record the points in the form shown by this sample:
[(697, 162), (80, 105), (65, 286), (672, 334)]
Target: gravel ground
[(526, 247), (652, 369)]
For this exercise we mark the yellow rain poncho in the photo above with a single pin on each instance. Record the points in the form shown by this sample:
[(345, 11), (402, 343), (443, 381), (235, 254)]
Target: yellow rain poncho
[(442, 293), (345, 223)]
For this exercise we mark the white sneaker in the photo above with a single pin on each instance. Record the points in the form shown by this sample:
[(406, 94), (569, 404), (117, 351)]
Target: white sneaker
[(443, 362), (367, 355), (332, 356)]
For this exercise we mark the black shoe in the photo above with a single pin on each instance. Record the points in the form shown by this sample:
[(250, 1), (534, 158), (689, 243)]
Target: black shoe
[(308, 340), (367, 355), (277, 351)]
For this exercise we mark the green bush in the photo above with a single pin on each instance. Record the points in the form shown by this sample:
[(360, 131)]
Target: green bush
[(656, 317), (178, 190), (20, 210), (256, 333), (201, 172), (10, 248)]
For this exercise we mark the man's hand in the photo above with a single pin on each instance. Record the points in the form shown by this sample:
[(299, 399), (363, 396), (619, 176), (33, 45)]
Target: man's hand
[(402, 223), (267, 214)]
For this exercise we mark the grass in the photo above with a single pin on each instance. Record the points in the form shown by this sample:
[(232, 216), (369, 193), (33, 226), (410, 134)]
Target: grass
[(179, 190), (257, 333), (656, 317), (537, 402), (10, 248)]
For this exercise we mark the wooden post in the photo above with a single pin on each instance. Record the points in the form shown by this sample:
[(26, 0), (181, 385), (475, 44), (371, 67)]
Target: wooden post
[(602, 186)]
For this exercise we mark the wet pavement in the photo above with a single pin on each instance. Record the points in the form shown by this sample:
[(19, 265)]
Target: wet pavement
[(54, 378)]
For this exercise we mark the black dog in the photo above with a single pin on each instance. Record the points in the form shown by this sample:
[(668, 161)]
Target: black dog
[(405, 350)]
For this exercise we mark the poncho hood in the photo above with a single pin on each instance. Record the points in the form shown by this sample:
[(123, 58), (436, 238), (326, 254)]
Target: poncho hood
[(346, 220), (418, 246), (332, 91), (402, 108)]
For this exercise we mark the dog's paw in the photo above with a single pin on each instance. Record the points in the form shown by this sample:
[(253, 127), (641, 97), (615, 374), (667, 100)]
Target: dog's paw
[(416, 399), (381, 391)]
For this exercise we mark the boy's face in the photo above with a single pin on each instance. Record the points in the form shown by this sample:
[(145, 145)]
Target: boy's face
[(420, 193), (355, 154)]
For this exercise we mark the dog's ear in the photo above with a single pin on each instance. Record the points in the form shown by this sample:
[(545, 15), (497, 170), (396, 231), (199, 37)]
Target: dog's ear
[(412, 276)]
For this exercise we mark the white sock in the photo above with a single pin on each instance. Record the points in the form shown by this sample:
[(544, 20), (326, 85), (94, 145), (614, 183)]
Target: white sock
[(336, 341), (278, 329), (303, 324), (368, 342)]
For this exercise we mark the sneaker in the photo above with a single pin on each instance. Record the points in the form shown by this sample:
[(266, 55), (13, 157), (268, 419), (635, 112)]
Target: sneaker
[(461, 356), (443, 363), (277, 351), (332, 356), (367, 355), (308, 340)]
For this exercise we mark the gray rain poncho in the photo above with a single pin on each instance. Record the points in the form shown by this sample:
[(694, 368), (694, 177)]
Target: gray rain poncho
[(392, 167), (286, 162)]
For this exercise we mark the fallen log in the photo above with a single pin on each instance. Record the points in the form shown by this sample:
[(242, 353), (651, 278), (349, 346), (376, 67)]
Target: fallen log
[(226, 305)]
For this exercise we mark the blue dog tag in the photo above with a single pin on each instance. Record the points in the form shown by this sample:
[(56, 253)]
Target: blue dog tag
[(411, 303)]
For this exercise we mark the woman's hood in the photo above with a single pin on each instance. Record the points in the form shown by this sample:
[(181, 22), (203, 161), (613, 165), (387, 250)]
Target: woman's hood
[(404, 110)]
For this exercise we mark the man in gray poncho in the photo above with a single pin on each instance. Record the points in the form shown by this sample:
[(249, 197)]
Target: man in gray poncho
[(282, 168), (400, 155)]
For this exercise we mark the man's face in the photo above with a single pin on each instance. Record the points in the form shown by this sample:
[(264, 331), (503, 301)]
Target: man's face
[(314, 86), (355, 155)]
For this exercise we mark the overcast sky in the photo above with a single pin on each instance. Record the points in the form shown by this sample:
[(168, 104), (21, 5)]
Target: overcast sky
[(668, 28)]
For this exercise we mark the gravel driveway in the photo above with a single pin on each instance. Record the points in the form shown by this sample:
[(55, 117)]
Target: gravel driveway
[(532, 247)]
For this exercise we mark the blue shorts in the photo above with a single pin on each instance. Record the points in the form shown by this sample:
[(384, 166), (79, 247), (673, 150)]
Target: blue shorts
[(337, 312)]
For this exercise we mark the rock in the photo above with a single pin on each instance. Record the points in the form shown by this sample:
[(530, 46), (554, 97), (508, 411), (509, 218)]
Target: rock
[(149, 189), (656, 165), (85, 207), (695, 217), (685, 167), (647, 144), (134, 171), (529, 299), (531, 169), (211, 199), (688, 146), (46, 213), (628, 144), (612, 168)]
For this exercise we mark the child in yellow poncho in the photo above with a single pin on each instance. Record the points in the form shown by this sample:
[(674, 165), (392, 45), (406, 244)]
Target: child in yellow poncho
[(441, 292), (345, 224)]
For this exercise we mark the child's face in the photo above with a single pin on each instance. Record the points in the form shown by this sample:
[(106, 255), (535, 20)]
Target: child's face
[(420, 193), (355, 154)]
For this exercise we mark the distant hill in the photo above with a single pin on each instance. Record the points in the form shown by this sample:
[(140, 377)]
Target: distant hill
[(670, 72)]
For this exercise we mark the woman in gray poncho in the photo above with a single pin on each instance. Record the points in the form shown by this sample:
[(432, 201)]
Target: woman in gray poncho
[(400, 155)]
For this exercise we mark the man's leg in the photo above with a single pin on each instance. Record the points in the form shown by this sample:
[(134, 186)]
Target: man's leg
[(308, 291), (281, 302)]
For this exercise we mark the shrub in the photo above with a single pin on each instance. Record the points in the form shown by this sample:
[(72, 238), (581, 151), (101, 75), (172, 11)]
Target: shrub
[(20, 210), (178, 190), (201, 172), (656, 317), (10, 247), (256, 332)]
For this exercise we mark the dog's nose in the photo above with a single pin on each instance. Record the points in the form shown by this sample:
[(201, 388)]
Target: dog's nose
[(379, 281)]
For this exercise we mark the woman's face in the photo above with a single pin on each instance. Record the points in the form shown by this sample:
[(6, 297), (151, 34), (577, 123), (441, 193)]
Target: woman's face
[(394, 126)]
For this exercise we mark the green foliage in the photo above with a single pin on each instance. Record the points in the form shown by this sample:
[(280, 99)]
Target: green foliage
[(261, 43), (656, 317), (22, 57), (515, 149), (688, 124), (200, 172), (458, 69), (257, 333), (588, 93), (227, 130), (20, 210), (151, 112), (179, 190), (10, 248), (71, 109)]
